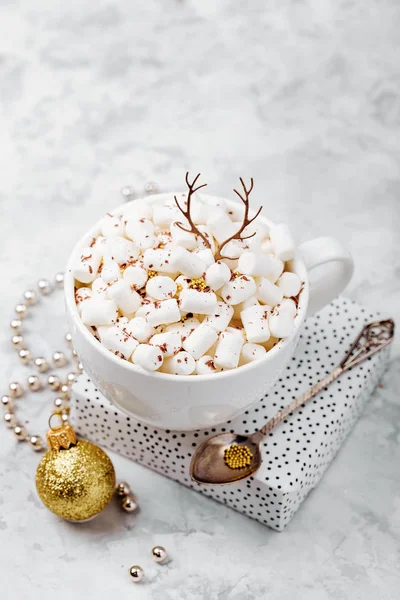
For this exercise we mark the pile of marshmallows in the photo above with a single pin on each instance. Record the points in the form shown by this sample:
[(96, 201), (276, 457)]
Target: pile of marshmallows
[(154, 294)]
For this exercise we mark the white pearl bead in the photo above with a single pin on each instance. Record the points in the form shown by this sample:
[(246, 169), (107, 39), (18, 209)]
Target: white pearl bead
[(30, 297), (36, 442), (41, 364), (24, 356), (16, 389), (20, 309), (58, 402), (151, 187), (59, 359), (159, 554), (136, 573), (7, 402), (9, 420), (16, 325), (20, 433), (34, 383), (128, 192), (64, 418), (54, 382), (44, 286), (129, 504), (68, 338), (59, 279), (17, 341)]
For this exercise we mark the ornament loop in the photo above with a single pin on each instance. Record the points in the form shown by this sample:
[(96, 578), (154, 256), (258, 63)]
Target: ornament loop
[(54, 414)]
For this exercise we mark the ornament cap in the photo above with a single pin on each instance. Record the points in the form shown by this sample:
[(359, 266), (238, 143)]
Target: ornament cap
[(61, 437)]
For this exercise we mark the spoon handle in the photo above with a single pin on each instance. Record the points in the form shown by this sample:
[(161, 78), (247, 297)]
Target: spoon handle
[(373, 337)]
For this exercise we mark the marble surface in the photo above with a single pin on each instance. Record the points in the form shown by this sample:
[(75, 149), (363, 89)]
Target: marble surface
[(304, 96)]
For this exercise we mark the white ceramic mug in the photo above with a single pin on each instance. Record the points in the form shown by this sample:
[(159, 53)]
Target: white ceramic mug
[(187, 402)]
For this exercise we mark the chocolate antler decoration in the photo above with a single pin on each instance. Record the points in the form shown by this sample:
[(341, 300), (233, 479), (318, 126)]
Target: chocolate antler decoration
[(246, 221), (186, 213)]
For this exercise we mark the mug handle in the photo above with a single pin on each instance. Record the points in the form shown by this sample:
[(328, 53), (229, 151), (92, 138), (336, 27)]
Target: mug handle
[(330, 268)]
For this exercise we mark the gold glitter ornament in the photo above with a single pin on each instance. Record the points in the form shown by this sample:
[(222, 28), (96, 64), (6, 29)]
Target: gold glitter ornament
[(75, 479)]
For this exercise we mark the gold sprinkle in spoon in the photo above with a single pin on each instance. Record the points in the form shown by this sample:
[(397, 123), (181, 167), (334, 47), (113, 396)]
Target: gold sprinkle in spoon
[(209, 463)]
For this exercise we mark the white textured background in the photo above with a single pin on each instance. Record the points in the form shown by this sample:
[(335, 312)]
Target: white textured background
[(304, 96)]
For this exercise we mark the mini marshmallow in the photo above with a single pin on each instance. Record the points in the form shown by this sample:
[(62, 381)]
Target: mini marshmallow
[(288, 305), (220, 318), (99, 286), (163, 313), (232, 263), (214, 201), (111, 226), (120, 249), (170, 343), (200, 211), (282, 241), (206, 256), (180, 364), (87, 265), (148, 357), (238, 308), (251, 352), (221, 225), (136, 276), (183, 238), (205, 365), (81, 295), (255, 323), (161, 287), (198, 302), (260, 265), (268, 293), (127, 300), (99, 311), (239, 289), (184, 328), (118, 339), (281, 323), (266, 247), (183, 281), (142, 231), (259, 228), (217, 275), (164, 216), (187, 263), (158, 260), (289, 283), (110, 270), (139, 209), (208, 235), (198, 342), (141, 330), (235, 248), (228, 349)]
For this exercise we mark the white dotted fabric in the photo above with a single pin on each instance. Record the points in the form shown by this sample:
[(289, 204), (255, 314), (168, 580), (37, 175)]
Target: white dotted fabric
[(295, 455)]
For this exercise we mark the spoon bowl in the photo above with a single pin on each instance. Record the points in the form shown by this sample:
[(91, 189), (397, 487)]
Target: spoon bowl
[(208, 465)]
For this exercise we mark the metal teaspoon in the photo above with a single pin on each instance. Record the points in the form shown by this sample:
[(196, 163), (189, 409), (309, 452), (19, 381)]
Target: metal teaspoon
[(208, 465)]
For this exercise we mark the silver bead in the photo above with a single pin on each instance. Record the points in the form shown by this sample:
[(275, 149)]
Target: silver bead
[(58, 402), (59, 279), (17, 341), (54, 382), (136, 572), (65, 391), (41, 364), (7, 402), (25, 356), (16, 389), (44, 286), (123, 489), (34, 383), (159, 554), (128, 193), (59, 359), (30, 297), (16, 325), (68, 338), (129, 504), (70, 378), (20, 310), (151, 187), (36, 442), (10, 420), (20, 433)]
